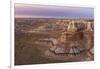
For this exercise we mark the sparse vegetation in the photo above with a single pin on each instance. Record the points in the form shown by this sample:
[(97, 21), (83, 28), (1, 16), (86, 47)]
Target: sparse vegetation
[(26, 50)]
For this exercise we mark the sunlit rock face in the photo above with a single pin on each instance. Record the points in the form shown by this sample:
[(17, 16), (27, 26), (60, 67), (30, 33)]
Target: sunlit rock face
[(74, 41)]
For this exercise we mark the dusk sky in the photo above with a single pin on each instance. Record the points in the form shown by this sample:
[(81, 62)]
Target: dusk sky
[(29, 10)]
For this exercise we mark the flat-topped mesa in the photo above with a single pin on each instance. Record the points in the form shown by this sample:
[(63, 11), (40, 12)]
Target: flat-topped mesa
[(74, 40), (71, 41)]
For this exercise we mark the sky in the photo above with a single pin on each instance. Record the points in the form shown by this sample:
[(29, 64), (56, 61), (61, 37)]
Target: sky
[(47, 11)]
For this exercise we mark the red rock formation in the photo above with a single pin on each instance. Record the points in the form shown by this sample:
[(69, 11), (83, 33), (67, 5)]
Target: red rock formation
[(73, 41)]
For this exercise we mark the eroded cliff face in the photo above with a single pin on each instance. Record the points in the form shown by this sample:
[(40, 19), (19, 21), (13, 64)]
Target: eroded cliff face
[(74, 43)]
